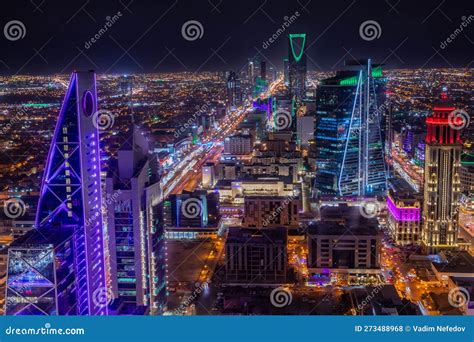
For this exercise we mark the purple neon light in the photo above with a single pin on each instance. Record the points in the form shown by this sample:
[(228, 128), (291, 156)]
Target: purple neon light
[(52, 148), (88, 103), (403, 214)]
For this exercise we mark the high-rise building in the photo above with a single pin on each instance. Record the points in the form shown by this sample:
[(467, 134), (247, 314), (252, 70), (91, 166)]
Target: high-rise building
[(253, 69), (208, 175), (466, 173), (126, 85), (286, 72), (263, 70), (283, 115), (442, 184), (234, 90), (238, 144), (349, 150), (297, 65), (68, 242), (197, 209), (136, 233), (272, 74), (305, 129)]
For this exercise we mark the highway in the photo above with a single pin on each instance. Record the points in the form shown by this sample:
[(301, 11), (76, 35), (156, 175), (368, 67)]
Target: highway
[(186, 174)]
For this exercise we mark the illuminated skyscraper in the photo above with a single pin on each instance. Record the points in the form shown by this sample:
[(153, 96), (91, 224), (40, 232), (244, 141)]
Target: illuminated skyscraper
[(67, 246), (349, 151), (136, 229), (297, 65), (234, 90), (263, 70), (286, 72), (442, 180)]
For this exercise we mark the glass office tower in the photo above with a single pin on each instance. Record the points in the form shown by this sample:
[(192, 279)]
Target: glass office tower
[(349, 150)]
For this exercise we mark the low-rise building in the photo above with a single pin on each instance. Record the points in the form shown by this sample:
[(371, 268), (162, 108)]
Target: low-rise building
[(350, 245), (271, 212), (256, 256)]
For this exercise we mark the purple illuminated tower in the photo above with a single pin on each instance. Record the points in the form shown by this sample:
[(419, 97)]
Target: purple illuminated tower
[(68, 221)]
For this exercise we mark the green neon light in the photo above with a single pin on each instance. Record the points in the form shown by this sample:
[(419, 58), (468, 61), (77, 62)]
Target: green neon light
[(467, 159), (350, 81), (36, 105), (299, 35), (293, 106), (377, 72)]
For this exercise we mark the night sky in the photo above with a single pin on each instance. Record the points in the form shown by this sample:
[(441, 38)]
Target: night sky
[(147, 36)]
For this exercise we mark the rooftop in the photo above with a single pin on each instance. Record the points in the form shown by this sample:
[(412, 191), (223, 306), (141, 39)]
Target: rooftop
[(460, 262), (255, 235)]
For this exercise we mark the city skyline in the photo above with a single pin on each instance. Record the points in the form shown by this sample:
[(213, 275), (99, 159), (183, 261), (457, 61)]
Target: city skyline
[(238, 186), (222, 35)]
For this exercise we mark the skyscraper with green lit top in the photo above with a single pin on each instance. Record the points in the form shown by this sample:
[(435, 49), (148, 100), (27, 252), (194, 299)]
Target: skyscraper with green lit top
[(348, 132), (297, 65)]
